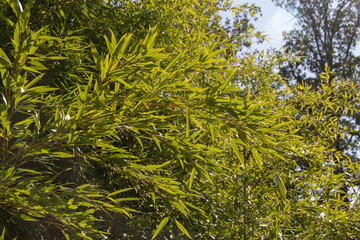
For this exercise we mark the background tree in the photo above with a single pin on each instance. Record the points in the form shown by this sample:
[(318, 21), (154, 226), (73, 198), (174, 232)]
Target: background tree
[(325, 35)]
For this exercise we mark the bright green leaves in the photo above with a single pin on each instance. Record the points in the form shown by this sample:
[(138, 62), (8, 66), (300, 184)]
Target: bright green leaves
[(122, 59), (4, 61), (120, 191), (192, 177), (117, 49), (162, 130), (149, 40), (61, 155), (187, 125), (281, 187), (181, 227), (257, 157), (20, 72), (160, 227), (2, 237), (163, 224), (120, 48), (38, 196), (225, 85), (237, 153), (27, 218)]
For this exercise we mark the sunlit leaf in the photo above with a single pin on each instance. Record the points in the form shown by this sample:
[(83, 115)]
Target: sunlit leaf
[(181, 227), (281, 187), (160, 227)]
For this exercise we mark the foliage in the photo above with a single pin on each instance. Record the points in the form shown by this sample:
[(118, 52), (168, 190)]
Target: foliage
[(325, 36), (144, 131)]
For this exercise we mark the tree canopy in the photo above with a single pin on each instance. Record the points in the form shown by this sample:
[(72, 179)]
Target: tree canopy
[(326, 34), (141, 120), (325, 37)]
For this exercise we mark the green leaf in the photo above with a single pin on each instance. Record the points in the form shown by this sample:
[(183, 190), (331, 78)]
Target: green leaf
[(4, 57), (121, 46), (61, 155), (196, 2), (95, 53), (181, 227), (157, 143), (208, 58), (237, 153), (228, 79), (65, 235), (108, 44), (2, 237), (54, 39), (27, 218), (155, 167), (81, 187), (120, 191), (11, 23), (281, 187), (181, 207), (42, 89), (160, 227), (127, 199), (192, 176), (248, 93), (196, 208), (24, 16), (174, 61), (9, 172), (257, 157), (30, 69), (204, 172), (187, 124), (150, 38)]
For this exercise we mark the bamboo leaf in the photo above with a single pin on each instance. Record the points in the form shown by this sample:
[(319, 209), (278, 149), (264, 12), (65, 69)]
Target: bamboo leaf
[(257, 157), (160, 227), (83, 186), (61, 155), (42, 89), (151, 40), (192, 177), (237, 153), (187, 124), (208, 58), (281, 187), (5, 57), (127, 199), (113, 40), (65, 235), (28, 218), (157, 143), (2, 237), (204, 172), (155, 167), (108, 44), (228, 79), (181, 227), (174, 61), (121, 46), (248, 93), (120, 191)]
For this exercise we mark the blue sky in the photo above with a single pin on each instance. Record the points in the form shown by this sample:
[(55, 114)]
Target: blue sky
[(273, 21)]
